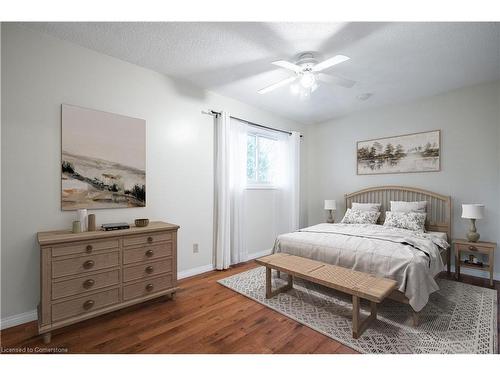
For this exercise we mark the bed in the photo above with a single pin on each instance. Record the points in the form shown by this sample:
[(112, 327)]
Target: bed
[(413, 260)]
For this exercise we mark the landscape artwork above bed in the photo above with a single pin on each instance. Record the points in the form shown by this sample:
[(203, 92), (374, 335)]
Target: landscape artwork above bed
[(103, 160), (418, 152)]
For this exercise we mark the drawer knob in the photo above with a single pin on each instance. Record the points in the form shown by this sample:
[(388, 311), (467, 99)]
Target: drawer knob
[(88, 249), (88, 264), (88, 283), (149, 269), (149, 253), (149, 287), (150, 239), (88, 304), (472, 248)]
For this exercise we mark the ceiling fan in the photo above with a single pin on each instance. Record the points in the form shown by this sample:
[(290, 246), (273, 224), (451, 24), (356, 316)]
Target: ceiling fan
[(307, 72)]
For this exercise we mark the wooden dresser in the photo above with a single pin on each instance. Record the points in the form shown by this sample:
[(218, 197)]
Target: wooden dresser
[(83, 275)]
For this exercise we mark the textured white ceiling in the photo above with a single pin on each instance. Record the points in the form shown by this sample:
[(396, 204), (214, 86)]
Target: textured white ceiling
[(396, 62)]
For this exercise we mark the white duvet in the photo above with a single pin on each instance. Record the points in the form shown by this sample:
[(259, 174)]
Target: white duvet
[(411, 258)]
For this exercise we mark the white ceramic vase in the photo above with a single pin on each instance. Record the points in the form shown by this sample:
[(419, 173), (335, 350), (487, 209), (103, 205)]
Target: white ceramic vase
[(82, 218)]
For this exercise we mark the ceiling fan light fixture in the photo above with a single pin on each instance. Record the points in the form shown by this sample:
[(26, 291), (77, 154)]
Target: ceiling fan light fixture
[(308, 74), (295, 88), (307, 80)]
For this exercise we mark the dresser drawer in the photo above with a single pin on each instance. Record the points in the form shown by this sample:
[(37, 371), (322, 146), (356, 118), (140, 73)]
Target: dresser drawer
[(474, 248), (84, 284), (146, 253), (147, 239), (83, 305), (143, 288), (87, 247), (85, 264), (147, 270)]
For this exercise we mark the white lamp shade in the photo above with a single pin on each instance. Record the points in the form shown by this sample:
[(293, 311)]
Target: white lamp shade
[(330, 204), (472, 211)]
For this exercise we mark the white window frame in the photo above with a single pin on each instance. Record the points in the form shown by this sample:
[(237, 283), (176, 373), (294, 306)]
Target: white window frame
[(255, 185)]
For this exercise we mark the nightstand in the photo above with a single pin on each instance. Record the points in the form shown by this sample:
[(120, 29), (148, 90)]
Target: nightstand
[(487, 248)]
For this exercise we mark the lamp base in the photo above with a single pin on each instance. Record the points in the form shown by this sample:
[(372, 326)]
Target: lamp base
[(330, 219), (473, 236)]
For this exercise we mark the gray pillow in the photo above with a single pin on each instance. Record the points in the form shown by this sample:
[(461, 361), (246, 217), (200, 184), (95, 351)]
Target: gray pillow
[(399, 206), (360, 217), (366, 206), (406, 220)]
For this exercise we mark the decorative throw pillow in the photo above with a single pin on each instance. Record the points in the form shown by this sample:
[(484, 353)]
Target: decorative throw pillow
[(360, 217), (399, 206), (406, 220), (366, 206)]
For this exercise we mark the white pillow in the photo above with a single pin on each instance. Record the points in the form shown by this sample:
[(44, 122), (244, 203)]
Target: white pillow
[(366, 206), (360, 217), (398, 206), (406, 220)]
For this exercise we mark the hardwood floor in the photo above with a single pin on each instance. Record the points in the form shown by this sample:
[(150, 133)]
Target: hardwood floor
[(205, 317)]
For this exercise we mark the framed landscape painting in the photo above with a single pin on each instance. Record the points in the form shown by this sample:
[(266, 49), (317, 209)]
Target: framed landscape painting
[(103, 160), (418, 152)]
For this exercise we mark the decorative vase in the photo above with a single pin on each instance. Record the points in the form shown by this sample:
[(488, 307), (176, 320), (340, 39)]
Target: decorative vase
[(76, 227), (82, 218), (91, 223)]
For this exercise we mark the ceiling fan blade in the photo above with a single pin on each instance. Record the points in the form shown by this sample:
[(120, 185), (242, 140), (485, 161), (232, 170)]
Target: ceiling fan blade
[(276, 85), (287, 65), (336, 80), (329, 63)]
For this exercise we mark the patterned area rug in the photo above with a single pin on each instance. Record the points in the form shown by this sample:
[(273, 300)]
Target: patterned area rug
[(459, 318)]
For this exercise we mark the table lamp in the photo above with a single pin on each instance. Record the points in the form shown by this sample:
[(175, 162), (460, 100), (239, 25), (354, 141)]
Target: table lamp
[(331, 206), (472, 212)]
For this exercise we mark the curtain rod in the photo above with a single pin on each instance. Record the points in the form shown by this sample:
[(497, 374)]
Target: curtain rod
[(215, 113)]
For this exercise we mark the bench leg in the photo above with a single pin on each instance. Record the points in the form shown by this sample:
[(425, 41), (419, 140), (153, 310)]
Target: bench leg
[(358, 325), (355, 316), (268, 283), (373, 309), (278, 274), (269, 291)]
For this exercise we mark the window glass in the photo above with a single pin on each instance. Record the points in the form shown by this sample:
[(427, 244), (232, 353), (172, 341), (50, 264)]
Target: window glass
[(261, 155), (251, 157)]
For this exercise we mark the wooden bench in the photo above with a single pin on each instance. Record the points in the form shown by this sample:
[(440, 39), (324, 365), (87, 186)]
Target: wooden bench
[(358, 284)]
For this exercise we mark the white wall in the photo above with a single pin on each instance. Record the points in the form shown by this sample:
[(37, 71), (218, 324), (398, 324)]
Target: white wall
[(39, 73), (469, 119)]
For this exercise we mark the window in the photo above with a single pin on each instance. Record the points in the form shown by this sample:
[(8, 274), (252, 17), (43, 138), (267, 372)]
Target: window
[(261, 155)]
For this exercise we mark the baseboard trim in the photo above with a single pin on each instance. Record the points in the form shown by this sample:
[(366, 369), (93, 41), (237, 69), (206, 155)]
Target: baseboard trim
[(259, 254), (18, 319), (195, 271)]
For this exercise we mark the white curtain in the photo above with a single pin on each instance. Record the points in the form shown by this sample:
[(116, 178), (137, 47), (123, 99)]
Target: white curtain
[(287, 214), (294, 180), (231, 181), (230, 171)]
